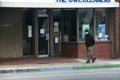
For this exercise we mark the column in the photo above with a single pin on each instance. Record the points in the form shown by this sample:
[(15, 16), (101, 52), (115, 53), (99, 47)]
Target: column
[(117, 32), (51, 43), (35, 34)]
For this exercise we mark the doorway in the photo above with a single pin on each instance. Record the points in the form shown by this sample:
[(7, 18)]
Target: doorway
[(43, 36)]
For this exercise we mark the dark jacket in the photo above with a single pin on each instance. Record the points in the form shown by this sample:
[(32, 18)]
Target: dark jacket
[(89, 40)]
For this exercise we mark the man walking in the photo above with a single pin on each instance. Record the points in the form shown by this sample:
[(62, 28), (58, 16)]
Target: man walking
[(89, 42)]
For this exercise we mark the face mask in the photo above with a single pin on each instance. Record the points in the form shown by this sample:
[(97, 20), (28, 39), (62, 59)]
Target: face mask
[(86, 32)]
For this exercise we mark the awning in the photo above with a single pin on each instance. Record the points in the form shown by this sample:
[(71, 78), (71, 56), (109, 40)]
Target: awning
[(54, 4)]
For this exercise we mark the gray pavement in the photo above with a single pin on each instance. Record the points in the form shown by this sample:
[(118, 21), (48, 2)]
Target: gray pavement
[(53, 66)]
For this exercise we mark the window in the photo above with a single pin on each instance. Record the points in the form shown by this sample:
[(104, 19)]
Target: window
[(57, 26), (85, 22), (70, 32), (27, 32), (97, 21), (101, 27)]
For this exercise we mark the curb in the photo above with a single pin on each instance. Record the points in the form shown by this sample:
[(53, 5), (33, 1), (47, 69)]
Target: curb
[(96, 66), (18, 70), (57, 68)]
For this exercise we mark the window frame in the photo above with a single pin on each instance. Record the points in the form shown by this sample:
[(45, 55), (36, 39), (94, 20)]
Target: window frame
[(109, 31)]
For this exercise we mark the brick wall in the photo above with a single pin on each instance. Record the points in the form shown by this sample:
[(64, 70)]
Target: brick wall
[(82, 50), (103, 50), (100, 50), (70, 50)]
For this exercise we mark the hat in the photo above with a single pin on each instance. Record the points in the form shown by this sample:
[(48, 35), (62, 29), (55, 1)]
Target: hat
[(87, 30)]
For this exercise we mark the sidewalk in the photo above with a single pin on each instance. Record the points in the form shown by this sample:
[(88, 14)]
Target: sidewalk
[(48, 64)]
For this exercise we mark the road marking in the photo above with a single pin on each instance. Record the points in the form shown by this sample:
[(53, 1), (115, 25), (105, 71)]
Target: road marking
[(4, 79), (58, 75)]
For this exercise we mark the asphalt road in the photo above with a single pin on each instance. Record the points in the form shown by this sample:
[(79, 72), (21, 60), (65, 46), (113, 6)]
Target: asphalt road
[(86, 74)]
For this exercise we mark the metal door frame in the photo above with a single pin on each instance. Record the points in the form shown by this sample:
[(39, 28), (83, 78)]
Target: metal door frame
[(45, 15)]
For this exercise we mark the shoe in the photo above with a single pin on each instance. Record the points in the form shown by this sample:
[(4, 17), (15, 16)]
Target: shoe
[(93, 60), (88, 62)]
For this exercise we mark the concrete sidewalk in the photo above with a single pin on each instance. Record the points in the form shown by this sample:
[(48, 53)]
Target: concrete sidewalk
[(53, 66)]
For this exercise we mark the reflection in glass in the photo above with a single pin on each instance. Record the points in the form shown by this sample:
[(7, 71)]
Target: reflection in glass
[(100, 24), (43, 31), (86, 17), (70, 24)]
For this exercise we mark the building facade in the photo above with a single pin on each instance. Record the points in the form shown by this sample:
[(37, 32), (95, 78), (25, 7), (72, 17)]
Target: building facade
[(46, 29)]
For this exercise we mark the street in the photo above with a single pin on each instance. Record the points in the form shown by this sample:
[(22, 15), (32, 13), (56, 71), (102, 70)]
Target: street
[(85, 74)]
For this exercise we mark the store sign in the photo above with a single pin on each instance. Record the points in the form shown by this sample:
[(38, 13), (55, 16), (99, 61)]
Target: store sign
[(59, 3), (77, 1)]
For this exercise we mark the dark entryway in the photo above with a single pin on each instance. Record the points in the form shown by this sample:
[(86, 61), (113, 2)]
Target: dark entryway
[(43, 34)]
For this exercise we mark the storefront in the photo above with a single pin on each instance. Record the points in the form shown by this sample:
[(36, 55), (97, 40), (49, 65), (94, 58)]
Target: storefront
[(45, 29)]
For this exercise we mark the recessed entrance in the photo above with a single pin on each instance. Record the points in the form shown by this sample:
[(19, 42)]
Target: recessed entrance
[(43, 39)]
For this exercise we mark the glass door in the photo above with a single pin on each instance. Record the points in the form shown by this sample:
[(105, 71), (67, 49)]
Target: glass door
[(43, 36)]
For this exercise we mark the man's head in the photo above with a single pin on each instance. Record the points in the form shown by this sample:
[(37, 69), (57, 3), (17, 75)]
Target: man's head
[(86, 31)]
